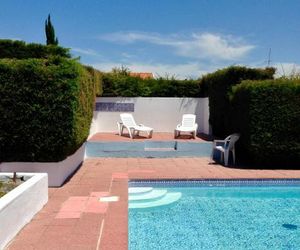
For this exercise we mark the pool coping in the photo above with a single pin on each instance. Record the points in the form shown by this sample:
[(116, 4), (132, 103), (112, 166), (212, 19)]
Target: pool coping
[(214, 182), (210, 183), (105, 226), (126, 182)]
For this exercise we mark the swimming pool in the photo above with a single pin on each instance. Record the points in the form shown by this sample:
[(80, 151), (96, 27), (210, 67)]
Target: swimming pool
[(214, 214)]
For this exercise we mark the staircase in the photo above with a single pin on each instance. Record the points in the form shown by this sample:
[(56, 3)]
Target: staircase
[(147, 197)]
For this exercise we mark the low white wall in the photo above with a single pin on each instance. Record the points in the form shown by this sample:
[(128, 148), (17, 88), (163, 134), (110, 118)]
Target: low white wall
[(162, 114), (19, 206), (57, 172)]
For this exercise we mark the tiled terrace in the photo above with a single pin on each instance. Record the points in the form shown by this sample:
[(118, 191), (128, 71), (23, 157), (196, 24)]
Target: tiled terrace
[(74, 218), (156, 137)]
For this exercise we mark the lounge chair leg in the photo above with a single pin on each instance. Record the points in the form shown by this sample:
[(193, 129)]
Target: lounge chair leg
[(226, 157), (150, 134), (233, 156), (119, 128), (194, 135), (131, 134)]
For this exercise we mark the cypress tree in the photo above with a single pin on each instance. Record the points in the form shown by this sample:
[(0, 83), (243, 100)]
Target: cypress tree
[(50, 33)]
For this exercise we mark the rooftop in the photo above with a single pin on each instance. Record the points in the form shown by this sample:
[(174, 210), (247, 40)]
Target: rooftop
[(143, 75)]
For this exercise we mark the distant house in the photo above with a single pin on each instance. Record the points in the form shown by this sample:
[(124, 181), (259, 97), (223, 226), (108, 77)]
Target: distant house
[(143, 75)]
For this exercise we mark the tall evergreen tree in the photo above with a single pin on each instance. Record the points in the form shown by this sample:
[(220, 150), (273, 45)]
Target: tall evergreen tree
[(50, 33)]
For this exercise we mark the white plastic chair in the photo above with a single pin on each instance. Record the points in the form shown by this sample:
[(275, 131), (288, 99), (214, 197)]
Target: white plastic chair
[(129, 123), (188, 124), (226, 147)]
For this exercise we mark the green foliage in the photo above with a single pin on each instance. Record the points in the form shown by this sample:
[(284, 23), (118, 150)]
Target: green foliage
[(218, 86), (50, 33), (21, 50), (46, 107), (97, 79), (267, 113), (1, 192), (122, 84)]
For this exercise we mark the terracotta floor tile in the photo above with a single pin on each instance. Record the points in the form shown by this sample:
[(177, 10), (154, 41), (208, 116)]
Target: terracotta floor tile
[(73, 216), (64, 221), (18, 245), (83, 239), (72, 246)]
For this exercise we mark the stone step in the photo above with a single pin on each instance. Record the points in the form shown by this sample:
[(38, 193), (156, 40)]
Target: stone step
[(154, 194), (168, 199), (160, 149), (139, 190)]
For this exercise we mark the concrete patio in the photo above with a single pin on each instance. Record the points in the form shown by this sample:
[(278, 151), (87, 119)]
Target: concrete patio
[(74, 218)]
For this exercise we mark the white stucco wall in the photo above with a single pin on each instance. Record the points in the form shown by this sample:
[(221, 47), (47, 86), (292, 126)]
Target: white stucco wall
[(57, 172), (162, 114), (19, 206)]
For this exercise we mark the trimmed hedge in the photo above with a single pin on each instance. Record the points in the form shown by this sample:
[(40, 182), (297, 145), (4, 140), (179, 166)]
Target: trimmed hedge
[(115, 84), (46, 108), (22, 50), (267, 113), (218, 86), (97, 79)]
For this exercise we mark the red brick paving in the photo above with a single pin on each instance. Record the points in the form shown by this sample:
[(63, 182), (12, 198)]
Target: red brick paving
[(97, 227)]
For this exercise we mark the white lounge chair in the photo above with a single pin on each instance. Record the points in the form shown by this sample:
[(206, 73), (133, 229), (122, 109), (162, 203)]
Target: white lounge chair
[(129, 123), (225, 146), (188, 124)]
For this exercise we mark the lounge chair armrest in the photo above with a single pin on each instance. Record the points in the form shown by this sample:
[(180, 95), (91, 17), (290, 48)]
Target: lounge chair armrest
[(178, 126), (219, 140)]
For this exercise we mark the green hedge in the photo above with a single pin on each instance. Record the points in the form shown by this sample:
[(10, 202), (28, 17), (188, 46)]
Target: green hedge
[(218, 86), (46, 108), (97, 79), (130, 86), (267, 113), (22, 50)]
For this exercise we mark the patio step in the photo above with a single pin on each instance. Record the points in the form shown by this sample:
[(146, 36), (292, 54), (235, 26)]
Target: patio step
[(160, 149), (168, 199), (148, 149), (153, 195), (139, 190), (160, 145)]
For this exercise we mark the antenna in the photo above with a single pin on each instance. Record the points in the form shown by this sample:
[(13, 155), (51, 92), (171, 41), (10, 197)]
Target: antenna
[(269, 57)]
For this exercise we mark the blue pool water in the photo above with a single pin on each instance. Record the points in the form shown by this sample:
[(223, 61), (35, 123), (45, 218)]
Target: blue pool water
[(214, 215)]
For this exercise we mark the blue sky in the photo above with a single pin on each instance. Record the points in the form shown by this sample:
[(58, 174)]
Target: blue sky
[(174, 37)]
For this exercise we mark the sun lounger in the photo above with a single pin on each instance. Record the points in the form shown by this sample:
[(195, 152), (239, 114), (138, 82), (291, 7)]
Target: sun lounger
[(129, 123)]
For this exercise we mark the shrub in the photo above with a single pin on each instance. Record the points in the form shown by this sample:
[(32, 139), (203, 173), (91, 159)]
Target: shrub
[(46, 107), (21, 50), (218, 86), (121, 84), (97, 79), (267, 113)]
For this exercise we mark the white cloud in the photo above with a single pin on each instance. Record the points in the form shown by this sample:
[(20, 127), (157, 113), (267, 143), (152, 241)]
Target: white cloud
[(197, 45), (180, 71), (88, 52)]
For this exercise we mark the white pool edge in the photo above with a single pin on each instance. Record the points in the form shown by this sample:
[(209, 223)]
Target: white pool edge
[(20, 205)]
